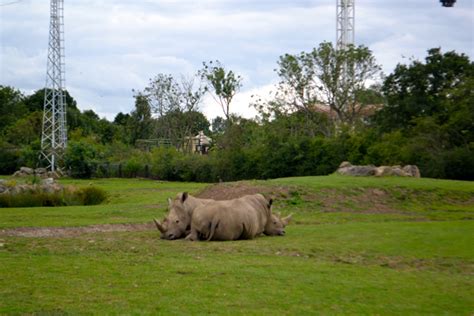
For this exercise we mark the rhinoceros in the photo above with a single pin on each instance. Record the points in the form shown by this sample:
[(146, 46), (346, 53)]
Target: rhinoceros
[(242, 218), (177, 223)]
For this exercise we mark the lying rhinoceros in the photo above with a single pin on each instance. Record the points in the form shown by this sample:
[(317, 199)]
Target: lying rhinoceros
[(242, 218)]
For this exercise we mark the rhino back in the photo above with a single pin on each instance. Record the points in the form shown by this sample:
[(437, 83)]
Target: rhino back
[(242, 218)]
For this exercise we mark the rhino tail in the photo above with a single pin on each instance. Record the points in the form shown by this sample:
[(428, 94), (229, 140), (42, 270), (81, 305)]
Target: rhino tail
[(212, 231)]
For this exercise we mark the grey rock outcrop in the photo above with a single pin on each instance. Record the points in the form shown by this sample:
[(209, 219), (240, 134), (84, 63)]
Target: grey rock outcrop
[(39, 172), (48, 185), (346, 168)]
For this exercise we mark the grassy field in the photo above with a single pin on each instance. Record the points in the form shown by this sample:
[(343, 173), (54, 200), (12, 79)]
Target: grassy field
[(356, 246)]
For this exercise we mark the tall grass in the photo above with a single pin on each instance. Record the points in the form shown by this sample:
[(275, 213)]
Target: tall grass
[(68, 196)]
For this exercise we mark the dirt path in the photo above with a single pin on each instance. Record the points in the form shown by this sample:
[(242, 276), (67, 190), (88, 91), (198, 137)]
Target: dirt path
[(73, 231)]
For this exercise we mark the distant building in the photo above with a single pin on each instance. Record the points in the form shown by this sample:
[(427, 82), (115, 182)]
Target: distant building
[(199, 144)]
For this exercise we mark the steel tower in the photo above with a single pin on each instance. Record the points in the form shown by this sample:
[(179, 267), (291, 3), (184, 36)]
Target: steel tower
[(54, 133), (345, 23)]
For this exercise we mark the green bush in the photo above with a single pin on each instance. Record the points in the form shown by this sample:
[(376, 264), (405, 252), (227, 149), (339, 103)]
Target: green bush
[(132, 167), (91, 195), (459, 163), (163, 161), (81, 159)]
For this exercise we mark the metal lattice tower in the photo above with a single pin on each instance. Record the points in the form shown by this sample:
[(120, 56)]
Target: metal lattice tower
[(54, 133), (345, 23)]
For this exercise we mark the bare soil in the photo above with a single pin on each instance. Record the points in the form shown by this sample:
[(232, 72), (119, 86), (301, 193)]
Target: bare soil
[(371, 201), (227, 191), (73, 231)]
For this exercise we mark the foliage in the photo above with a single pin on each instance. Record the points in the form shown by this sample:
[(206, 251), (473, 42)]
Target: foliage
[(176, 105), (91, 195), (36, 197), (81, 158), (12, 106), (140, 122), (222, 84), (326, 77), (422, 114)]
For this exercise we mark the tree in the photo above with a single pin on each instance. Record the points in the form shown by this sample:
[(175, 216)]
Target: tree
[(431, 104), (218, 125), (140, 122), (35, 102), (25, 130), (121, 119), (222, 84), (12, 106), (329, 77), (438, 87), (175, 103)]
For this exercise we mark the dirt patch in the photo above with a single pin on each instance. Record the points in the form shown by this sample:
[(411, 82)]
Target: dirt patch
[(227, 191), (73, 231), (367, 200)]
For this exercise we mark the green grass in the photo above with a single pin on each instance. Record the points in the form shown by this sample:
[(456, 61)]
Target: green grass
[(129, 201), (416, 259)]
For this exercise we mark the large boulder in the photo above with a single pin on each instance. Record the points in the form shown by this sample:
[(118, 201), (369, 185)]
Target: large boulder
[(48, 181), (40, 171), (27, 171), (357, 170), (345, 164), (412, 171), (3, 186)]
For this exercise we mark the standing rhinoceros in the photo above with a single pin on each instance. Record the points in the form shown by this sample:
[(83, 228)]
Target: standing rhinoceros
[(242, 218), (177, 223)]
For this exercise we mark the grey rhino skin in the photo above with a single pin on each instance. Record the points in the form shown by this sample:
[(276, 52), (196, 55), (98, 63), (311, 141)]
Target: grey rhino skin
[(177, 223), (242, 218)]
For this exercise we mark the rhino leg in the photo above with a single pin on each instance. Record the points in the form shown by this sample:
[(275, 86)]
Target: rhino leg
[(193, 236)]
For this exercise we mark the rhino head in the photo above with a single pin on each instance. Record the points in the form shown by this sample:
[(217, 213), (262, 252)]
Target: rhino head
[(276, 224), (177, 223)]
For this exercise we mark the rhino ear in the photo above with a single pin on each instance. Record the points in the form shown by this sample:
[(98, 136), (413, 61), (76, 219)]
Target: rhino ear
[(170, 201), (184, 196), (270, 202), (287, 219)]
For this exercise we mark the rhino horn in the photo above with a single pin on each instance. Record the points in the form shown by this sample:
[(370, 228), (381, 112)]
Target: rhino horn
[(287, 219), (159, 226)]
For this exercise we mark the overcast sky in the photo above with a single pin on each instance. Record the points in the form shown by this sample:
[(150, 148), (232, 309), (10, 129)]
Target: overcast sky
[(114, 46)]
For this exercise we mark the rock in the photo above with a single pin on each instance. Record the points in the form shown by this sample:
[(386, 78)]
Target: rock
[(3, 188), (345, 164), (27, 171), (48, 181), (40, 171), (21, 188), (397, 171), (357, 171), (383, 171), (51, 188), (412, 171), (18, 174), (408, 171), (52, 174)]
